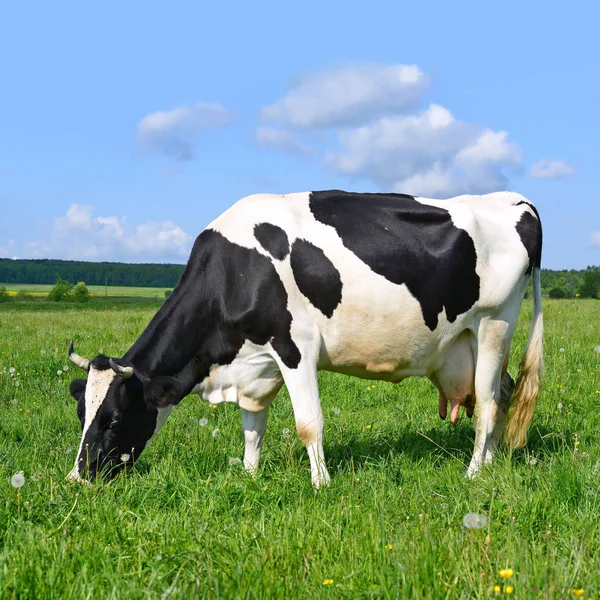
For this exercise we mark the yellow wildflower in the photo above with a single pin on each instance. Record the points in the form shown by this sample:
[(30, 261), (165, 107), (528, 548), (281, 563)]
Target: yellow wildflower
[(368, 427), (578, 593), (389, 547), (509, 589), (328, 582), (497, 589), (506, 573)]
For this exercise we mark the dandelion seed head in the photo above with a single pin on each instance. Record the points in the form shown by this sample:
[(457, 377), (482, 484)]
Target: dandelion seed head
[(125, 457), (474, 521), (65, 368), (337, 411), (59, 372), (17, 480), (533, 461), (216, 433), (234, 460), (12, 370), (203, 422), (285, 432), (559, 406)]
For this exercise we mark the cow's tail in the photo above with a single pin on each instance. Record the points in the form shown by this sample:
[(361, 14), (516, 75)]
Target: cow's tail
[(530, 372)]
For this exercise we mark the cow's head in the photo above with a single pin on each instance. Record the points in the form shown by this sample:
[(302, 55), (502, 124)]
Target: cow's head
[(120, 410)]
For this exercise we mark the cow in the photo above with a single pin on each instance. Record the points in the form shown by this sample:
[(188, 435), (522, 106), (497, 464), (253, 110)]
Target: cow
[(377, 286)]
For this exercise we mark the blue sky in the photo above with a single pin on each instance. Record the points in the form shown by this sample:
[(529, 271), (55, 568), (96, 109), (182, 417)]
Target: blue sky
[(125, 128)]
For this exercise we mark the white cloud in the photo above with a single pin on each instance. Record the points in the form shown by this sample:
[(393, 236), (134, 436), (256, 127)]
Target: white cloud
[(372, 112), (428, 154), (551, 169), (348, 96), (595, 238), (173, 133), (80, 235), (280, 139)]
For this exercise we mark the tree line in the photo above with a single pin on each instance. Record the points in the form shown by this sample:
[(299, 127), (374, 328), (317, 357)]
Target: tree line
[(556, 284), (46, 271)]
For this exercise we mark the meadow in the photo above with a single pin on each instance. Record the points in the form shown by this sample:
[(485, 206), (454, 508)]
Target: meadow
[(188, 523), (39, 290)]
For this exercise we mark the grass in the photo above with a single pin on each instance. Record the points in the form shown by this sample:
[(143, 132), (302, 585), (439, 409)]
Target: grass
[(112, 291), (188, 524)]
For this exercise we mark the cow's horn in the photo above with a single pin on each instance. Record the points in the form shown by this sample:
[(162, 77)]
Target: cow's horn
[(82, 363), (124, 372)]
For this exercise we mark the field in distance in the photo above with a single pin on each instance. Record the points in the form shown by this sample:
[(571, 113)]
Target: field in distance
[(114, 291)]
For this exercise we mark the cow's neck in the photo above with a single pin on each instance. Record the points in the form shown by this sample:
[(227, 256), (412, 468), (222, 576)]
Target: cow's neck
[(172, 342)]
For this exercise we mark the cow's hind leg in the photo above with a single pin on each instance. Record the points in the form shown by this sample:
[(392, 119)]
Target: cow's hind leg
[(302, 385), (492, 344), (254, 424)]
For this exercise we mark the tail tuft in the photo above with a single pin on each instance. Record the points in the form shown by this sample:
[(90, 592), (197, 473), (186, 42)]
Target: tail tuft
[(530, 373)]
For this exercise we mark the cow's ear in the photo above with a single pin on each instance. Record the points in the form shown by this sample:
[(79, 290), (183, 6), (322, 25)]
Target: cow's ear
[(162, 391), (77, 387)]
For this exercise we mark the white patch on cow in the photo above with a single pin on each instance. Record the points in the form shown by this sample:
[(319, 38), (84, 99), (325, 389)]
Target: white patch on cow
[(252, 380), (161, 417), (95, 392)]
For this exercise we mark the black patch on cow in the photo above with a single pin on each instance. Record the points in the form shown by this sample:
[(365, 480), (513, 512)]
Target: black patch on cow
[(409, 243), (316, 276), (227, 294), (530, 231), (273, 239), (100, 363)]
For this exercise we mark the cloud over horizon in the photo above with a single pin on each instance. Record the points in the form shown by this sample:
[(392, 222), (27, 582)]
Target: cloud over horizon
[(79, 235)]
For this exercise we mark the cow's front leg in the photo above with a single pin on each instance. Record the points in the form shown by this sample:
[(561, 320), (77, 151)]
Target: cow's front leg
[(254, 424), (303, 389)]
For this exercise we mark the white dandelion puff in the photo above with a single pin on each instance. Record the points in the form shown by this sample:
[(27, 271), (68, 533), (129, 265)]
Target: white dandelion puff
[(17, 384), (125, 457), (59, 372), (559, 406), (474, 521), (561, 350), (285, 432), (216, 433), (234, 460), (203, 422), (597, 349), (11, 370), (17, 480), (65, 368), (337, 411), (533, 461)]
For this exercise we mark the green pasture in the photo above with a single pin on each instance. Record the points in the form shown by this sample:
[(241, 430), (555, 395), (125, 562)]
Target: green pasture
[(188, 523)]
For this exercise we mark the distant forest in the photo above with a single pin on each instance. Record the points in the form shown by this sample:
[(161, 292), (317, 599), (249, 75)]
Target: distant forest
[(92, 273), (557, 284)]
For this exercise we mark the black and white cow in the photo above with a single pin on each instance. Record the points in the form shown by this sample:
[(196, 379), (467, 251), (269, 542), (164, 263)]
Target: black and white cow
[(379, 286)]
